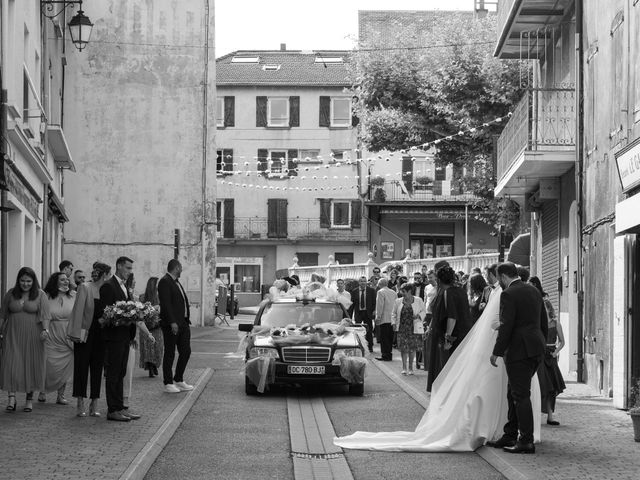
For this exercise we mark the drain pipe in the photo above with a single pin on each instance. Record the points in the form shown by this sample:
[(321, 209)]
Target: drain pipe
[(579, 186)]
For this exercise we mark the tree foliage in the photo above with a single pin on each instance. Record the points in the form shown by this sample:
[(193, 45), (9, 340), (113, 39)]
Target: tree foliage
[(408, 95)]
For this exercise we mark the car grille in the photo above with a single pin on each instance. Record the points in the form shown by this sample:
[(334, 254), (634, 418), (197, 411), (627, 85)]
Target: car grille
[(306, 354)]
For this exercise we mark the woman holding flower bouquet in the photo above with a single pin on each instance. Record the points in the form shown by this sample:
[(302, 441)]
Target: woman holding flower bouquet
[(151, 352)]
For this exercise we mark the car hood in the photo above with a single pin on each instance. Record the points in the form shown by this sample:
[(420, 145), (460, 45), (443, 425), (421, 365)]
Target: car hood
[(344, 340)]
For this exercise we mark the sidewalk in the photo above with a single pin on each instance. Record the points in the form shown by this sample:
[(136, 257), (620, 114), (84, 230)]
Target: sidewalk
[(594, 440), (52, 443)]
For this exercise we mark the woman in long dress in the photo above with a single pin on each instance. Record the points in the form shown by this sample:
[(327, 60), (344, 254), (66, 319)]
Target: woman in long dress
[(468, 405), (24, 323), (58, 348), (151, 353)]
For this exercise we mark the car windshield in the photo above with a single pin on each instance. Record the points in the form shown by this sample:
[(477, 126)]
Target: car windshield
[(283, 314)]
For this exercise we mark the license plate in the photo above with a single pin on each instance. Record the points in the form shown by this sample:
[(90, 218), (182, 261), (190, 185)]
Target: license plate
[(305, 370)]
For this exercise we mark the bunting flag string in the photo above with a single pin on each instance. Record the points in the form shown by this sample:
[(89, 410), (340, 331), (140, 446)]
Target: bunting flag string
[(284, 188)]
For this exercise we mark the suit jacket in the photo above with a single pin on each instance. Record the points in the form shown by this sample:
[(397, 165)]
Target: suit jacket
[(110, 293), (173, 308), (420, 290), (523, 323), (385, 303), (370, 300)]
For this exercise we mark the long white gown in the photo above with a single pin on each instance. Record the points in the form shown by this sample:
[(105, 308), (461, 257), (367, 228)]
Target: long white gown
[(468, 405)]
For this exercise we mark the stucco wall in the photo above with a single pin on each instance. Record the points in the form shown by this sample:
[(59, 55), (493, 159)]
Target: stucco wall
[(134, 119)]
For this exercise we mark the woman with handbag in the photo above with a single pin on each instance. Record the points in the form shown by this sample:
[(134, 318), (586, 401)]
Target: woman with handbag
[(407, 317)]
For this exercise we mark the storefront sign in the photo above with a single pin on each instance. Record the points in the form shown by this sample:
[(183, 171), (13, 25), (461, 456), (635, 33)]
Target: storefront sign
[(628, 163), (388, 249), (19, 189)]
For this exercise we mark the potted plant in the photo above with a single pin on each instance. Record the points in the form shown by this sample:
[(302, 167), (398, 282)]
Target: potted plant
[(634, 408), (379, 194), (423, 182)]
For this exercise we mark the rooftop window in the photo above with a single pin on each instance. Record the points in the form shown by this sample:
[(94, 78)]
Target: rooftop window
[(245, 59), (327, 60), (270, 68)]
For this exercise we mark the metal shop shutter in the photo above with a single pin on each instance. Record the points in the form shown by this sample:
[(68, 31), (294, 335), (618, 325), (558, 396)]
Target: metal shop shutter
[(551, 252)]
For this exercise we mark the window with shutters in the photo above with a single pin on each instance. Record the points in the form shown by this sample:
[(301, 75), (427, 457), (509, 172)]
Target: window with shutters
[(307, 259), (343, 258), (340, 214), (340, 112), (278, 112), (220, 112), (278, 162), (219, 217), (618, 88), (338, 155), (277, 218), (224, 161)]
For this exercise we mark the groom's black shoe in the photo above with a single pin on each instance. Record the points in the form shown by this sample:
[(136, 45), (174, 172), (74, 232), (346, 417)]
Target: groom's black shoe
[(502, 442), (521, 448)]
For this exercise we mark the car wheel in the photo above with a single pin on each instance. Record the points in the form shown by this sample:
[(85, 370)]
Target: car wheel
[(356, 389), (249, 387)]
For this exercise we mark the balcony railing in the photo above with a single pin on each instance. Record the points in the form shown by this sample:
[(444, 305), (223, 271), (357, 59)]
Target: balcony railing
[(394, 191), (260, 228), (545, 119)]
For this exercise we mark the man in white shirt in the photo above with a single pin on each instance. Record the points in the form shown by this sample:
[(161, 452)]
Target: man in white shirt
[(385, 303), (342, 292)]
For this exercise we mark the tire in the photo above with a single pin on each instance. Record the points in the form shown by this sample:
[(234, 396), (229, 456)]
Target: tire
[(249, 388), (356, 389)]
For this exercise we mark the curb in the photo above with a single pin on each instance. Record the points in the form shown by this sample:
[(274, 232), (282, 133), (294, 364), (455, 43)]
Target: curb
[(487, 454), (141, 464)]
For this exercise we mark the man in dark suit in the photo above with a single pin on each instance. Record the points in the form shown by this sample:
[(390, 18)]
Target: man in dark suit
[(363, 308), (521, 341), (117, 341), (174, 320)]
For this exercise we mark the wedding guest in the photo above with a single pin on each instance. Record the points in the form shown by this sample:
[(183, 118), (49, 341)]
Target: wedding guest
[(175, 321), (420, 286), (88, 345), (24, 323), (409, 311), (393, 279), (342, 292), (117, 341), (430, 293), (66, 267), (476, 287), (79, 277), (523, 273), (363, 308), (549, 375), (373, 280), (58, 348), (450, 322), (151, 353), (385, 303)]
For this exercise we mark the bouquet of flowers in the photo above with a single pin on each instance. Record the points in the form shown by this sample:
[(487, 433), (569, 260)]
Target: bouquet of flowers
[(128, 312)]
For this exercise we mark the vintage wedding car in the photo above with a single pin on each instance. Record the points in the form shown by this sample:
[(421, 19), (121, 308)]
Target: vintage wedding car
[(295, 341)]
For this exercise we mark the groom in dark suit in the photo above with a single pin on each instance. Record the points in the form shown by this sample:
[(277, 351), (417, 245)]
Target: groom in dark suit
[(521, 341), (116, 341), (175, 321), (363, 308)]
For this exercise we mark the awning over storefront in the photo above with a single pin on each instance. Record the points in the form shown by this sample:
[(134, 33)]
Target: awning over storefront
[(627, 217), (520, 250), (59, 147), (57, 207)]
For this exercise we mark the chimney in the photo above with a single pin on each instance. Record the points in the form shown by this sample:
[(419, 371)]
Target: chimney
[(283, 47)]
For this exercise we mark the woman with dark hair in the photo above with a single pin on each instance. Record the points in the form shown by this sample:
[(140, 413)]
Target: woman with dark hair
[(476, 287), (58, 348), (406, 318), (450, 322), (24, 324), (151, 353), (551, 381), (393, 280), (85, 332)]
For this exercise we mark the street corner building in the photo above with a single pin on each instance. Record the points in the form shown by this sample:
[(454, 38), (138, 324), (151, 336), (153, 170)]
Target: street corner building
[(140, 107)]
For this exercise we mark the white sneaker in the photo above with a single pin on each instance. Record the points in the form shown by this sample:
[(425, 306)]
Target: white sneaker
[(183, 387), (171, 388)]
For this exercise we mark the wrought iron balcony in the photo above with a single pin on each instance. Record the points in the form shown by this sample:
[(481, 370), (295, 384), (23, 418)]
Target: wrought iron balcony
[(540, 134), (261, 228), (396, 191)]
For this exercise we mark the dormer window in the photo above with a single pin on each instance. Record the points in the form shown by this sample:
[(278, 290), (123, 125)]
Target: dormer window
[(245, 59), (329, 60), (271, 68)]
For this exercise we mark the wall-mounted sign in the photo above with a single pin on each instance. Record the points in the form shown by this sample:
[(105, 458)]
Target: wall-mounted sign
[(387, 249), (628, 163)]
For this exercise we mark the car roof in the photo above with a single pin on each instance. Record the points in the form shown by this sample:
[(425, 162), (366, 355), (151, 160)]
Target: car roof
[(305, 300)]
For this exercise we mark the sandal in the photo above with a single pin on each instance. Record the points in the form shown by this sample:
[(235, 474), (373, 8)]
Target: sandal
[(28, 407), (11, 406), (42, 397)]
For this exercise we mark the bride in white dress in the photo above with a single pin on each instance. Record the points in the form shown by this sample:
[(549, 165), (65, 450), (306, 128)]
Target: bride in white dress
[(468, 405)]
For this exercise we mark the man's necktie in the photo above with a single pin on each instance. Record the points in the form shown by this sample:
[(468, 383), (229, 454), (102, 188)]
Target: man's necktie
[(362, 304)]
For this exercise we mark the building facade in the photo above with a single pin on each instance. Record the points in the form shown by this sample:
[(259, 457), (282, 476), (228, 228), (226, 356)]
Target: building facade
[(287, 166), (34, 149), (144, 133)]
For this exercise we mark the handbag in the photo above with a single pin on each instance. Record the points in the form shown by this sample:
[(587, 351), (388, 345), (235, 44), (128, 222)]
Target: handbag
[(418, 326)]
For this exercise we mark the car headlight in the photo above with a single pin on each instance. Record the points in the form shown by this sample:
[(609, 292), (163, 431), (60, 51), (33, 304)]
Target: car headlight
[(349, 352), (263, 352)]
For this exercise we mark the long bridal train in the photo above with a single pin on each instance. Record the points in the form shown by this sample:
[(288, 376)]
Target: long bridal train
[(468, 405)]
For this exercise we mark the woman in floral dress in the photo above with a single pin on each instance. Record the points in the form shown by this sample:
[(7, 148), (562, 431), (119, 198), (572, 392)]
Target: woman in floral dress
[(409, 311)]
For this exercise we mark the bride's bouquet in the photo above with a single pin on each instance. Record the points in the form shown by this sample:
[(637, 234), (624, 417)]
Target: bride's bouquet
[(129, 312)]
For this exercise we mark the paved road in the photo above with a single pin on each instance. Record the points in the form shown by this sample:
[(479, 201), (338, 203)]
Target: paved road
[(229, 435)]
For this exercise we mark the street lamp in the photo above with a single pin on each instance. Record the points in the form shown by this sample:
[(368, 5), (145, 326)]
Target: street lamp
[(79, 26)]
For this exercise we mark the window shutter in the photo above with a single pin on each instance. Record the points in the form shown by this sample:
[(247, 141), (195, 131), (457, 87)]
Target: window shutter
[(441, 173), (229, 111), (356, 214), (263, 153), (261, 111), (325, 112), (407, 173), (437, 187), (277, 218), (228, 230), (325, 213), (227, 160), (291, 165), (294, 111)]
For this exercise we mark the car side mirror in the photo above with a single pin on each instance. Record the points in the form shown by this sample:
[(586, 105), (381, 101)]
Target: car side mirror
[(245, 327)]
